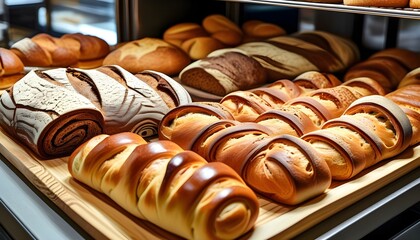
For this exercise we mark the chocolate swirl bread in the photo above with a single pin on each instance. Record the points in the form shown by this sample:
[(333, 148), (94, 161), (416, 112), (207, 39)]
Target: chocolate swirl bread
[(47, 117), (120, 100)]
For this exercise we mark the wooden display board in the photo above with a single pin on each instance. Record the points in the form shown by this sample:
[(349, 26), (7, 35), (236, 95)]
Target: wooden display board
[(100, 217)]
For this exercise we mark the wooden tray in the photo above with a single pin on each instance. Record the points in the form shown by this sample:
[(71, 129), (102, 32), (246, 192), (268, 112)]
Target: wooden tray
[(102, 218)]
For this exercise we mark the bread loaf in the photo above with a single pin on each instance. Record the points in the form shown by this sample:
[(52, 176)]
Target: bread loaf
[(289, 56), (47, 117), (223, 29), (372, 129), (388, 67), (173, 188), (114, 101), (201, 47), (181, 32), (69, 50), (149, 54), (222, 72), (377, 3), (256, 30), (11, 68)]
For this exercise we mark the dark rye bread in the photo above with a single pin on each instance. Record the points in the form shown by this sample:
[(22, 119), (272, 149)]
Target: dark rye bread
[(224, 71)]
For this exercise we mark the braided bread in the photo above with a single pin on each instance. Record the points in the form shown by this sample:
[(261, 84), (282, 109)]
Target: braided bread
[(166, 185)]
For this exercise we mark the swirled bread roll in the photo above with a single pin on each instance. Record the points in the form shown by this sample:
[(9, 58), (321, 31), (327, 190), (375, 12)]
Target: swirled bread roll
[(47, 117), (184, 123), (224, 71), (160, 182), (372, 129)]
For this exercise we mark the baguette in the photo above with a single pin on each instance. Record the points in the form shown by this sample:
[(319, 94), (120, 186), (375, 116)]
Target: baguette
[(160, 182)]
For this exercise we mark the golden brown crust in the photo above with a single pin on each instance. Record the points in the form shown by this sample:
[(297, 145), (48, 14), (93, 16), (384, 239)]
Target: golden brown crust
[(255, 30), (223, 29), (149, 54), (168, 186), (200, 47), (91, 47), (181, 32), (10, 63)]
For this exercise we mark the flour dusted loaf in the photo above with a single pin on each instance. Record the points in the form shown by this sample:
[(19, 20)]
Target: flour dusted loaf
[(11, 68), (54, 111), (149, 54), (224, 71), (160, 182), (69, 50)]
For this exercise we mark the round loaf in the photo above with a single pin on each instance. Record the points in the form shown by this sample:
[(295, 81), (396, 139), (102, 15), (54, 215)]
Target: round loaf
[(377, 3), (149, 54), (223, 29), (179, 33), (259, 30), (200, 47)]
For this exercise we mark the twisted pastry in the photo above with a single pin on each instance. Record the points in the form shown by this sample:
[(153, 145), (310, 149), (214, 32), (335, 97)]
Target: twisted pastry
[(246, 106), (47, 117), (308, 112), (372, 129), (249, 149), (166, 185)]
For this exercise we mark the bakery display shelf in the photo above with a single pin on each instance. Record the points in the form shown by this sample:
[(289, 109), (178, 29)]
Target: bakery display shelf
[(409, 13), (101, 218)]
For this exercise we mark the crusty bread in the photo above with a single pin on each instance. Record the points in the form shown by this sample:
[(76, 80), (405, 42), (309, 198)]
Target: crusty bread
[(223, 29), (181, 32), (200, 47), (175, 189), (11, 68), (53, 111), (255, 30), (224, 71), (377, 3), (69, 50), (149, 54)]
